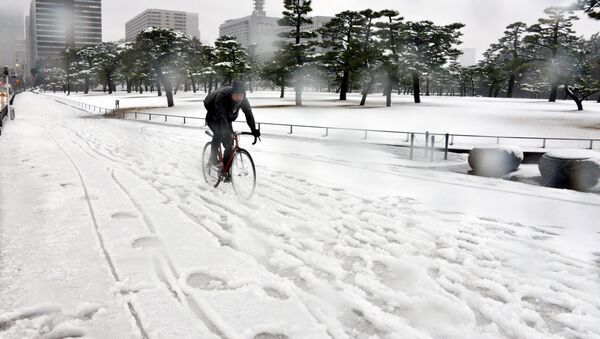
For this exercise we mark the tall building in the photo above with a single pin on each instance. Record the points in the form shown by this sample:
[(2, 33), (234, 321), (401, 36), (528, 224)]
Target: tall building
[(260, 30), (179, 21), (468, 58), (57, 24), (11, 30), (256, 29)]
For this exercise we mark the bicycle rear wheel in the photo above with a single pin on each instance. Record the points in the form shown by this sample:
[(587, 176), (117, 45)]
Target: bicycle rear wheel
[(212, 175), (243, 174)]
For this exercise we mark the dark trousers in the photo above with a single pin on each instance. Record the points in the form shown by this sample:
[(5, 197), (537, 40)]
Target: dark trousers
[(222, 132)]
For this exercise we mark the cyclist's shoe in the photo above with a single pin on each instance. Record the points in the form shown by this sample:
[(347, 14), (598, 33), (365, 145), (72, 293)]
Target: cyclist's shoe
[(227, 178), (214, 162)]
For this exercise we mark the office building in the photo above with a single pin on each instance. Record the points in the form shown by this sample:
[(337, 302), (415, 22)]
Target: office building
[(184, 22), (54, 25)]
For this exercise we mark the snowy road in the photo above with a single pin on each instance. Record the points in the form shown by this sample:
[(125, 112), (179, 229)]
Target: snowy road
[(108, 230)]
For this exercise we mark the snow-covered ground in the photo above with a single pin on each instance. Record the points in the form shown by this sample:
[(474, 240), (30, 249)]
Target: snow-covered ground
[(454, 115), (107, 230)]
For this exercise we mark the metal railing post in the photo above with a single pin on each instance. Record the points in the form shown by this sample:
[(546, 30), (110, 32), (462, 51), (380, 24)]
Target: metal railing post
[(432, 146), (498, 141), (135, 115), (184, 120), (326, 132), (291, 129), (591, 144), (412, 145), (446, 146), (426, 143), (149, 116), (544, 145), (365, 138)]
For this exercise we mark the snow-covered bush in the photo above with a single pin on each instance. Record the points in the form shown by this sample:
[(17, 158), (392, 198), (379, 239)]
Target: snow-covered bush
[(576, 169), (495, 160)]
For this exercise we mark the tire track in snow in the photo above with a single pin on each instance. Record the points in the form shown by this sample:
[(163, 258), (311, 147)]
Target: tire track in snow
[(107, 256)]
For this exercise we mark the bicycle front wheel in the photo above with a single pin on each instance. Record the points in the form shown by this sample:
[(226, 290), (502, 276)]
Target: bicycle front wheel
[(243, 174), (211, 173)]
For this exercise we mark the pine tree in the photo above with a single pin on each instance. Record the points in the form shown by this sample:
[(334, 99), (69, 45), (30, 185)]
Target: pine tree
[(279, 68), (369, 52), (512, 53), (583, 62), (343, 42), (298, 40), (553, 36), (389, 34), (165, 49), (87, 57), (107, 56), (230, 59), (427, 47)]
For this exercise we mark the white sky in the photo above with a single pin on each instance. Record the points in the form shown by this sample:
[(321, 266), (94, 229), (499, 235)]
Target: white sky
[(485, 19)]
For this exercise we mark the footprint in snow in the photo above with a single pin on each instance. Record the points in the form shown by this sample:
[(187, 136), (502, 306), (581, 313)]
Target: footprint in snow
[(270, 336), (146, 242), (123, 215), (207, 282)]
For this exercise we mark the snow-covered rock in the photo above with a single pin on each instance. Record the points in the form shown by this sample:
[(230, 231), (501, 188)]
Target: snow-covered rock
[(571, 168), (496, 160)]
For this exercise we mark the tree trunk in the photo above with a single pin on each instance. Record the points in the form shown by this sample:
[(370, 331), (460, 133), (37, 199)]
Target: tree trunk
[(193, 84), (553, 92), (491, 92), (344, 87), (416, 87), (367, 87), (86, 85), (158, 88), (128, 84), (110, 84), (210, 83), (168, 90), (511, 85), (299, 87), (427, 93), (574, 97), (282, 86)]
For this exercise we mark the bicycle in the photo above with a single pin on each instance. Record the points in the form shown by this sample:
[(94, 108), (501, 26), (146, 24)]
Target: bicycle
[(240, 167)]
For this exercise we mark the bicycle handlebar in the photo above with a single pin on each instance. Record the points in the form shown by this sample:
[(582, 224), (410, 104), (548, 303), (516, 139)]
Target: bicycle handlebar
[(255, 138), (209, 133)]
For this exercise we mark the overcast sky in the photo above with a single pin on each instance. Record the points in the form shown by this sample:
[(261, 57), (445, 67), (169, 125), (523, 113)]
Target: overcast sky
[(485, 19)]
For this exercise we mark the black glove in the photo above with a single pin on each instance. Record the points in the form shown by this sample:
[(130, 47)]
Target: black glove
[(256, 133)]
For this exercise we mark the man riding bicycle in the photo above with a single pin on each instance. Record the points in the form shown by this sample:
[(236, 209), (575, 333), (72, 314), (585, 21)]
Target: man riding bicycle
[(223, 106)]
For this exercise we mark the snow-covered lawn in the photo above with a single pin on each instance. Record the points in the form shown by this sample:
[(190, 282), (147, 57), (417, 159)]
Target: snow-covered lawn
[(108, 230), (454, 115)]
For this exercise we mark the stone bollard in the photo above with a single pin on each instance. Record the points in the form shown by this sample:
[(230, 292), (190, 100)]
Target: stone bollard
[(570, 168), (496, 160)]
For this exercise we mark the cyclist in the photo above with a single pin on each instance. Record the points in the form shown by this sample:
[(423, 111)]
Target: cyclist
[(223, 106)]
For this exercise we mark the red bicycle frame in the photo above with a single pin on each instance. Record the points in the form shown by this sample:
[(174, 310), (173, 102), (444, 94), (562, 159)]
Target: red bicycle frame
[(220, 156)]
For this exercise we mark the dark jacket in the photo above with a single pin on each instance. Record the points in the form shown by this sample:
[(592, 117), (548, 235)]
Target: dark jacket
[(220, 106)]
